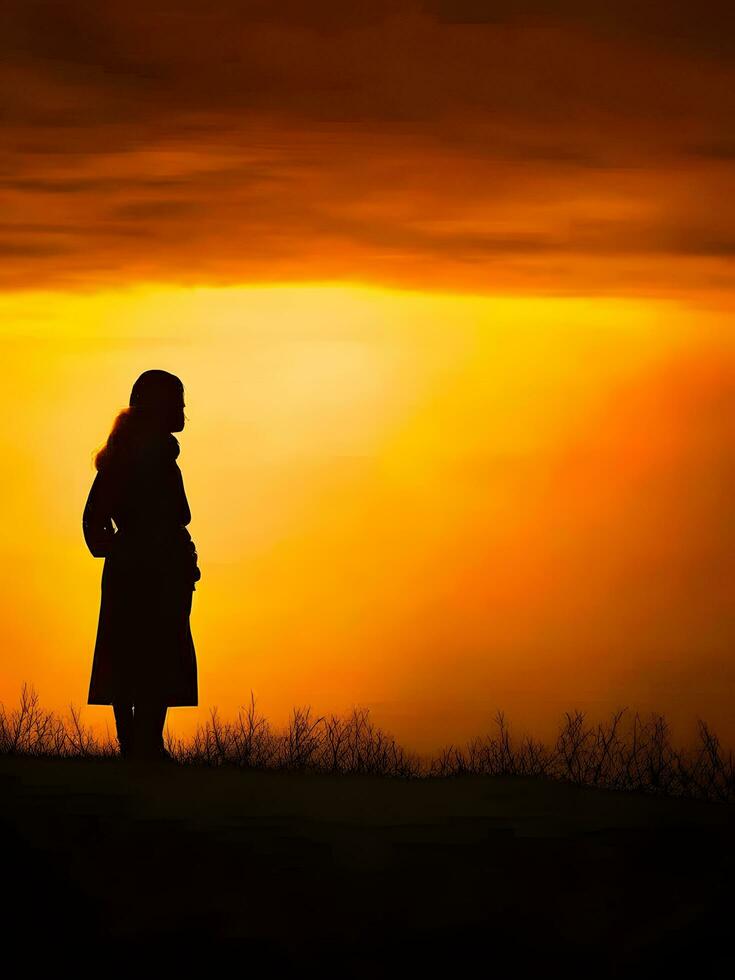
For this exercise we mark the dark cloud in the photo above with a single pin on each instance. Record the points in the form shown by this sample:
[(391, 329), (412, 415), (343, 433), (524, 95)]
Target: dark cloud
[(722, 149), (86, 185), (424, 137), (707, 27), (155, 210), (31, 250)]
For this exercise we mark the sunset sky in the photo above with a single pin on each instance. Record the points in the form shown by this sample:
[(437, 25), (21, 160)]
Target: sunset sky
[(450, 289)]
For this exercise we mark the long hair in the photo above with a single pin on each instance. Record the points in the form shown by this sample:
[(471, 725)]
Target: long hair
[(149, 395), (118, 438)]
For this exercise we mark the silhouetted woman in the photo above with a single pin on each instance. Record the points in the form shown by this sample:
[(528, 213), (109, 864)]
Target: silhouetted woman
[(144, 657)]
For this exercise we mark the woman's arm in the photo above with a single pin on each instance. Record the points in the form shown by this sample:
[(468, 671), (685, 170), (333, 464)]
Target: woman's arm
[(183, 503), (96, 520)]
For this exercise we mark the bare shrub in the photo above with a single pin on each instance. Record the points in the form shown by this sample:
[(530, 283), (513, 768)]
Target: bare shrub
[(299, 745), (495, 755), (354, 744), (710, 775), (624, 753), (248, 742), (32, 730)]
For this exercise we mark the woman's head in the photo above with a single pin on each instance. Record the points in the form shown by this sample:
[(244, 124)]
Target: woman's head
[(156, 408), (158, 398)]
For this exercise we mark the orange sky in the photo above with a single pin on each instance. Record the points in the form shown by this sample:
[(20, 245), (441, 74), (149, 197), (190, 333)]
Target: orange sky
[(400, 142), (451, 298)]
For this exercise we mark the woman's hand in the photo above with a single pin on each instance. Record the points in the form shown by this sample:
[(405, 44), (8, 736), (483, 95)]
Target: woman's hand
[(97, 526), (193, 559)]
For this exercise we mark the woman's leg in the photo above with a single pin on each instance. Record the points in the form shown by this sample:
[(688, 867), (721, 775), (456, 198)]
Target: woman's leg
[(124, 723), (150, 717)]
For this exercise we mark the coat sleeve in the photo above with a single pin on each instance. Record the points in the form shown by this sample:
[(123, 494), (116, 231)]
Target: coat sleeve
[(183, 503), (97, 520)]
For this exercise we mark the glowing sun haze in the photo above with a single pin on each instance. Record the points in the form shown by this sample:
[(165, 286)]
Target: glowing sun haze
[(449, 287), (430, 504)]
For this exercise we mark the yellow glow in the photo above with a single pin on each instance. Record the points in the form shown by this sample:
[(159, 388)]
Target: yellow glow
[(378, 483)]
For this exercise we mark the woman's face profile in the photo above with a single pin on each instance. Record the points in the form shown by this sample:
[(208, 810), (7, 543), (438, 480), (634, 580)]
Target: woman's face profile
[(177, 414), (162, 407), (169, 412)]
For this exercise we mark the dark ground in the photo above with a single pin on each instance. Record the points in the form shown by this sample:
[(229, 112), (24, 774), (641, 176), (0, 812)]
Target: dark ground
[(360, 876)]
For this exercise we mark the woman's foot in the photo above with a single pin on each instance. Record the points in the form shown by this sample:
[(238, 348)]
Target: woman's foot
[(147, 744), (151, 753), (124, 722)]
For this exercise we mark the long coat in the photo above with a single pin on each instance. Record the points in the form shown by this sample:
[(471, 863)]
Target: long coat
[(144, 648)]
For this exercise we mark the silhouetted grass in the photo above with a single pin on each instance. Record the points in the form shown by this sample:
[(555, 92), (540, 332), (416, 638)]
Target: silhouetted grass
[(624, 753)]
